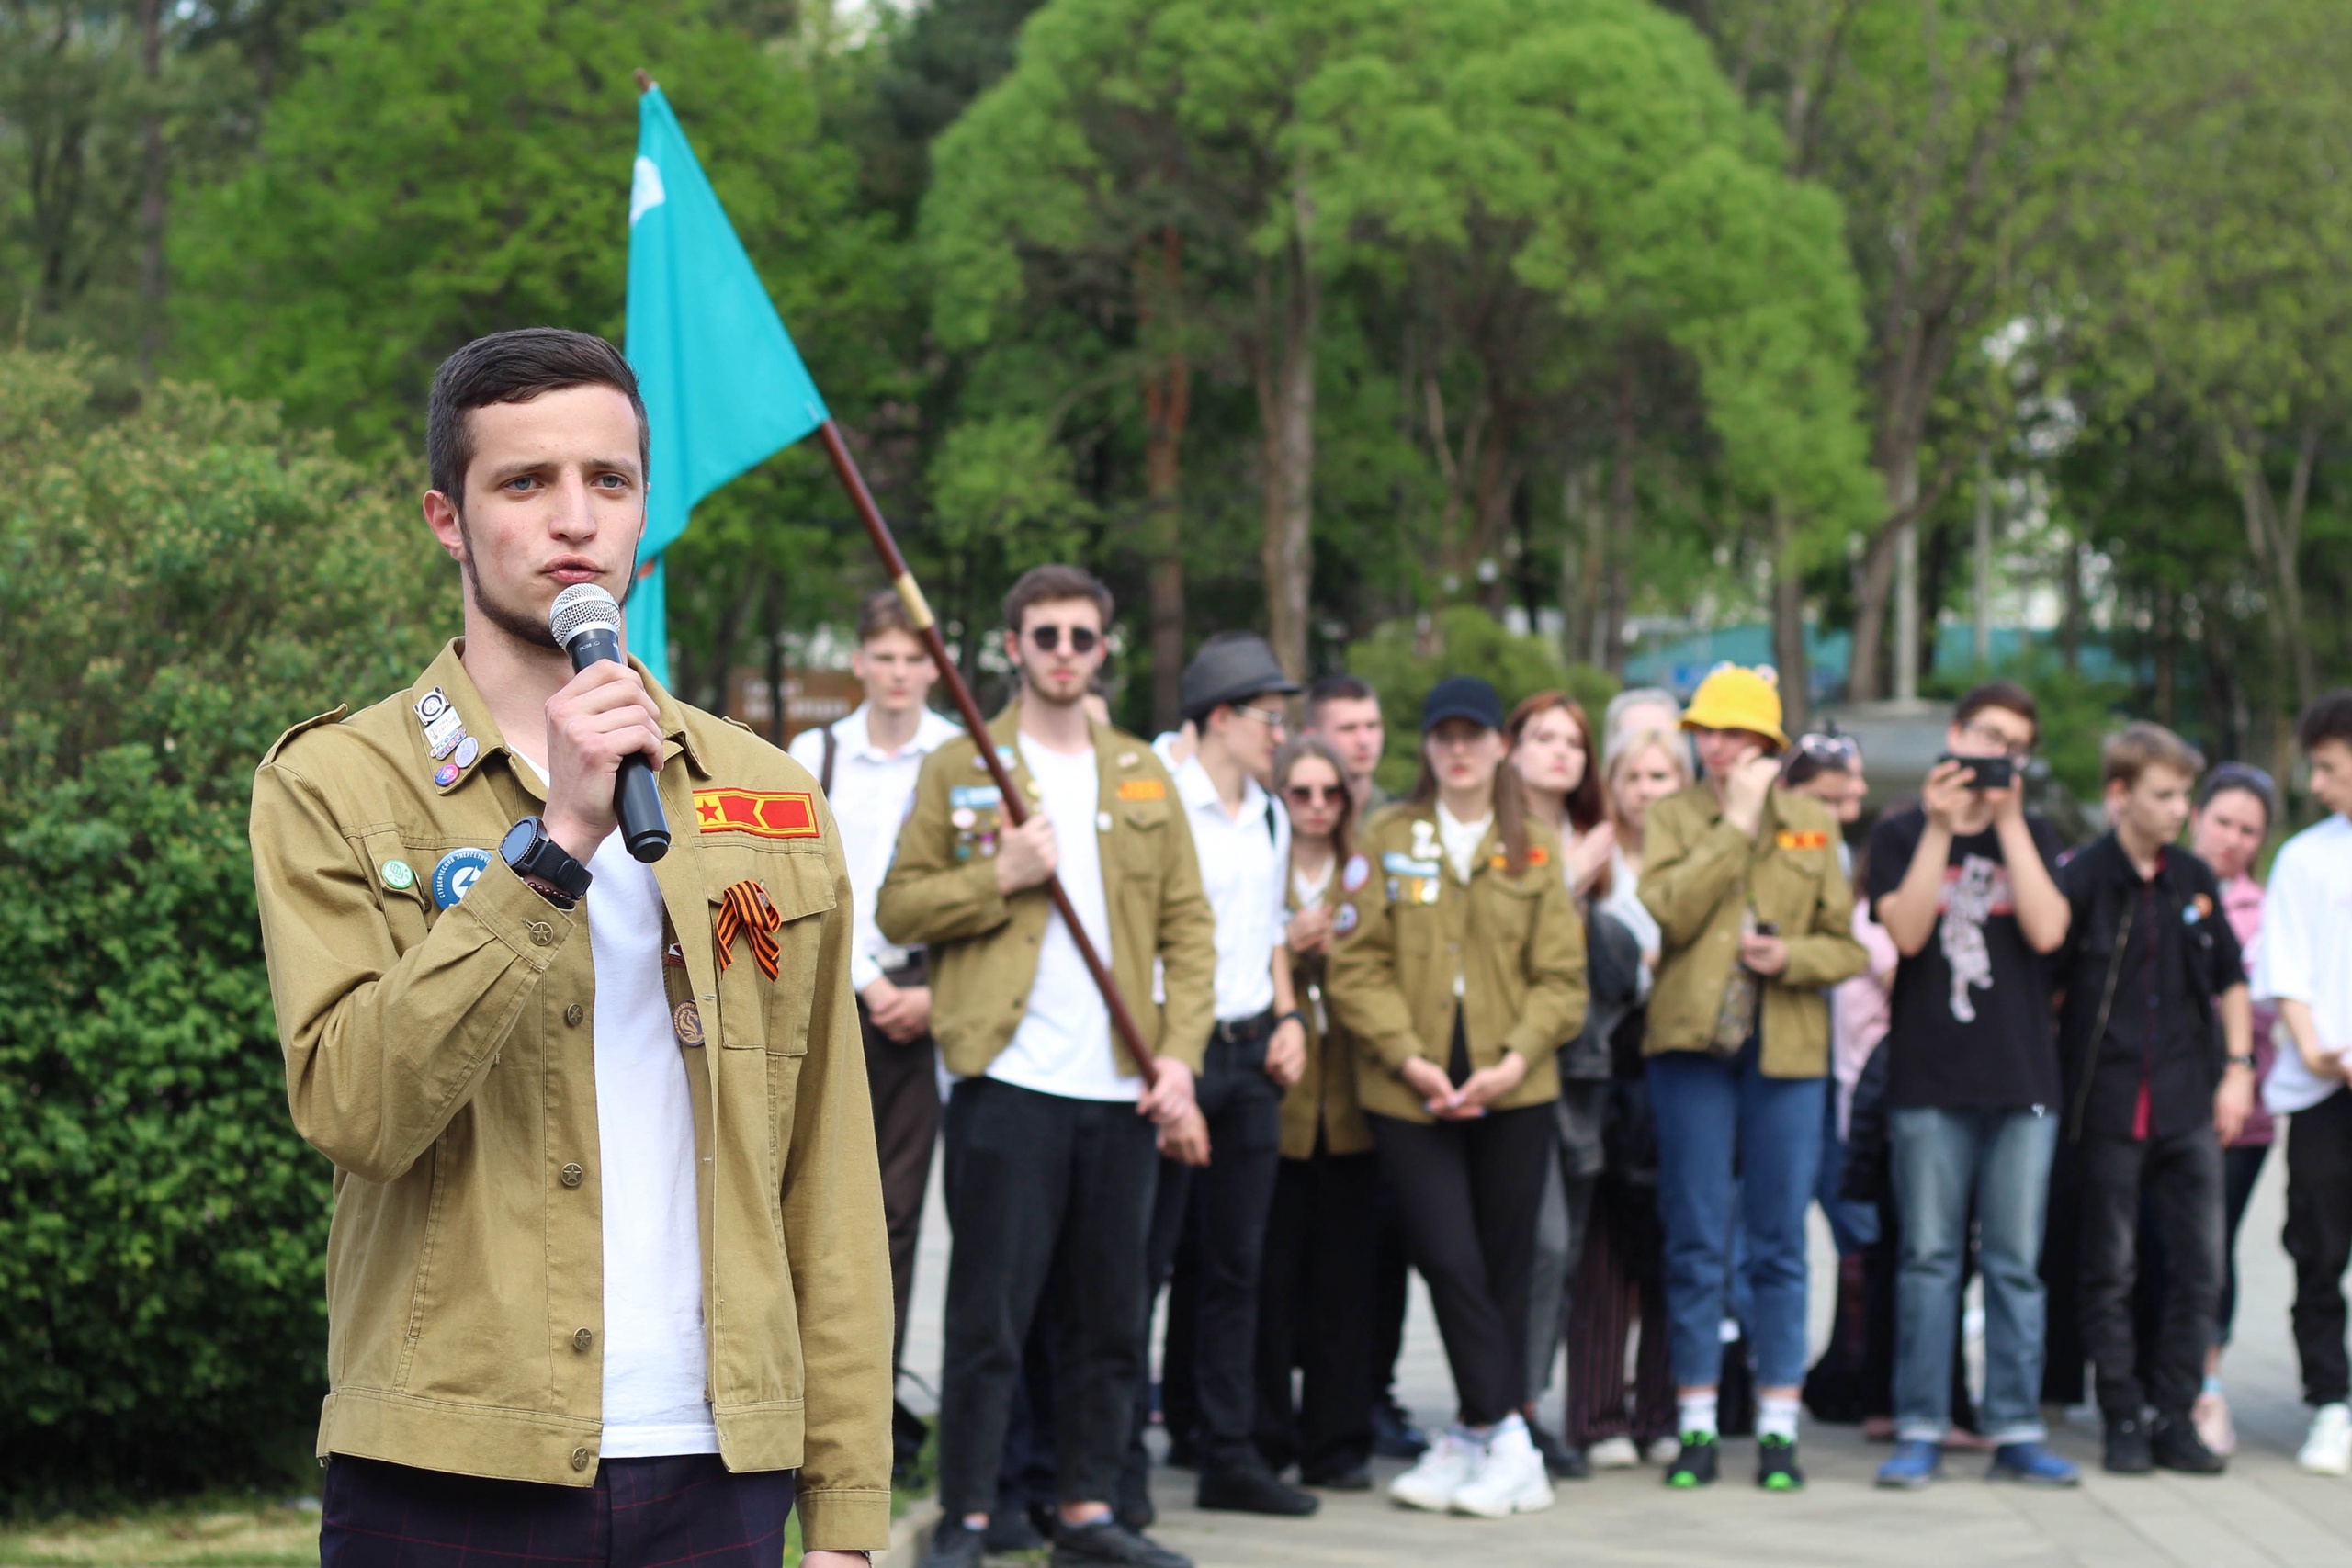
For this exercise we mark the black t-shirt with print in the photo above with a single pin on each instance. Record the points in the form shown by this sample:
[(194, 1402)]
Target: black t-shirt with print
[(1970, 1027)]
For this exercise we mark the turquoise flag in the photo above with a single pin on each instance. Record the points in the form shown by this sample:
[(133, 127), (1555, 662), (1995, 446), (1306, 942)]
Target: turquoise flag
[(723, 386)]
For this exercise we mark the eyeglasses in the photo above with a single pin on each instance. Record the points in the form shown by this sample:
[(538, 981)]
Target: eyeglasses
[(1316, 795), (1049, 638), (1986, 735), (1272, 718)]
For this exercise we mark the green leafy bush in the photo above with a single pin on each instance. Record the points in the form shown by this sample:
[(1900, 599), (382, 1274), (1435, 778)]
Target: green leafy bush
[(180, 579), (1402, 662)]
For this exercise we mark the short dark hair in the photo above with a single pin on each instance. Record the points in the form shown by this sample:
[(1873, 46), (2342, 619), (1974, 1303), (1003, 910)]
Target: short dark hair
[(514, 367), (2245, 777), (2006, 695), (1339, 688), (1045, 584), (883, 610), (2138, 746), (2328, 719)]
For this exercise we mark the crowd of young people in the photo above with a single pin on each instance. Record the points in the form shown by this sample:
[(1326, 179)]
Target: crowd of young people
[(1583, 1027)]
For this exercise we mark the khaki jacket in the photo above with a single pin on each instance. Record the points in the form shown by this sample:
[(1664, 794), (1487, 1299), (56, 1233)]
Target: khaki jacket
[(1699, 872), (441, 1059), (1324, 1098), (982, 946), (1516, 942)]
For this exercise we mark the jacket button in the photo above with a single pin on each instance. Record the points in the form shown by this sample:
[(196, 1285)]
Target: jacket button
[(573, 1175), (542, 933), (573, 1014), (580, 1339), (580, 1458)]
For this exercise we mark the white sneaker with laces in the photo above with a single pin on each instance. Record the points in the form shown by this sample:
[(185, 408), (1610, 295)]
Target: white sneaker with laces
[(1511, 1477), (2328, 1450), (1437, 1474), (1613, 1453)]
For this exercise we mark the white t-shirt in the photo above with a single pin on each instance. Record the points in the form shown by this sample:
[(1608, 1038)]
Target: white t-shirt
[(871, 793), (1241, 860), (1461, 838), (1623, 901), (1063, 1043), (1309, 890), (2303, 957), (655, 1360)]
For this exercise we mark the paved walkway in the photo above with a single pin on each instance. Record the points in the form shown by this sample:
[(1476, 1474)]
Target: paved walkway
[(2263, 1512)]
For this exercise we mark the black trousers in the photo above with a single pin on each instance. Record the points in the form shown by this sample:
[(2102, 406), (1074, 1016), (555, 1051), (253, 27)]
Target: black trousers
[(1314, 1315), (1619, 1283), (2183, 1174), (1040, 1187), (2319, 1238), (1466, 1195), (903, 1082), (1223, 1208), (639, 1513)]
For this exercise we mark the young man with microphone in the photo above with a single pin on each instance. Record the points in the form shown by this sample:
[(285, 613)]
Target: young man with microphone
[(606, 1279)]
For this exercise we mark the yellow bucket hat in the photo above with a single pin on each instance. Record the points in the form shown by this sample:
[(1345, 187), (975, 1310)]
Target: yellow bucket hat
[(1733, 697)]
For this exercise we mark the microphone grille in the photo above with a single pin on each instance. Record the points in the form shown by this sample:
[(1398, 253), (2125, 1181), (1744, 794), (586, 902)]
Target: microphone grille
[(580, 607)]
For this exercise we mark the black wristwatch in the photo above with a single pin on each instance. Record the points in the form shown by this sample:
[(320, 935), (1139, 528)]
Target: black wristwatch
[(2245, 1061), (544, 864), (1295, 1013)]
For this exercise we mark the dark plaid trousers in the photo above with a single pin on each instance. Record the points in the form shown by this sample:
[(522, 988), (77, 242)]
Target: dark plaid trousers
[(642, 1513)]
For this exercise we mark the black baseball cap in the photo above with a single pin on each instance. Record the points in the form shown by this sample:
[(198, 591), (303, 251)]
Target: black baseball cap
[(1232, 667), (1462, 697)]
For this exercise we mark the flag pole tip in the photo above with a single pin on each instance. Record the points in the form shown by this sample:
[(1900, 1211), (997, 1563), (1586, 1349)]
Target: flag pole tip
[(644, 81)]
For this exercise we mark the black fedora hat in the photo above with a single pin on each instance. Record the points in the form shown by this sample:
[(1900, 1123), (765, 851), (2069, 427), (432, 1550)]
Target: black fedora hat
[(1229, 668)]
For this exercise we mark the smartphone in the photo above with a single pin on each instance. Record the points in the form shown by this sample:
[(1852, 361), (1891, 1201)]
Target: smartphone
[(1768, 928), (1991, 773)]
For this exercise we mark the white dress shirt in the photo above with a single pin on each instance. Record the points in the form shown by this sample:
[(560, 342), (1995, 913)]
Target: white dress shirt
[(2305, 911), (873, 791), (1243, 863)]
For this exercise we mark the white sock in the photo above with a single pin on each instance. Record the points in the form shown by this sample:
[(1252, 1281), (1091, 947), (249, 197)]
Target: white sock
[(1776, 1416), (1477, 1437), (1697, 1417)]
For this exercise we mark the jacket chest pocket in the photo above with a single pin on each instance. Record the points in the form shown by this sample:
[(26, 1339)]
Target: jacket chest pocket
[(1139, 841), (1787, 888), (755, 1011), (1505, 906)]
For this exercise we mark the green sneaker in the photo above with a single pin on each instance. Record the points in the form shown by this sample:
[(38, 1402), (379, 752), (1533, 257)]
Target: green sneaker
[(1776, 1465), (1699, 1463)]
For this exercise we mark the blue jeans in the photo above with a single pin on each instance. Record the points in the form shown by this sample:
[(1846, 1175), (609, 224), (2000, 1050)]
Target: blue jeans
[(1709, 1112), (1942, 1160)]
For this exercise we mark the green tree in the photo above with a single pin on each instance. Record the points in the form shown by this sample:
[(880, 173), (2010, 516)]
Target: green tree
[(180, 579)]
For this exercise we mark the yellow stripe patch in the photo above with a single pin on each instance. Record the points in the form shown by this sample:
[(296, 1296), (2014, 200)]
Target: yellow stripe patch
[(1142, 789), (1803, 840), (761, 814)]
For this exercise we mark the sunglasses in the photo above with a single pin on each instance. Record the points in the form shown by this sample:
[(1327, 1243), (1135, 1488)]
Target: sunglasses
[(1835, 750), (1316, 795), (1049, 638)]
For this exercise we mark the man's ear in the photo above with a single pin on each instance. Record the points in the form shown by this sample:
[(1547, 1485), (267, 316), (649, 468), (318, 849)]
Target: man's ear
[(449, 529)]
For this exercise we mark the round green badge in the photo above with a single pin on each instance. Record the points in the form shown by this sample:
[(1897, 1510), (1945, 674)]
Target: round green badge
[(399, 877)]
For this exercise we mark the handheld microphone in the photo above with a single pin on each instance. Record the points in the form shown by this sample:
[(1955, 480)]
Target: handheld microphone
[(587, 626)]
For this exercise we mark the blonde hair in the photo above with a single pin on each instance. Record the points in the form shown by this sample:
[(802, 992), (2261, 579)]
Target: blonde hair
[(1625, 749)]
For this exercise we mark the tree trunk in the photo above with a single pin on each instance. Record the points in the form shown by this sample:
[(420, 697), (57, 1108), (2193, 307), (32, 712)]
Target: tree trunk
[(2167, 649), (1289, 312), (1982, 596), (1617, 589), (2274, 533), (1788, 626), (1167, 408), (2074, 611), (1873, 589), (152, 194)]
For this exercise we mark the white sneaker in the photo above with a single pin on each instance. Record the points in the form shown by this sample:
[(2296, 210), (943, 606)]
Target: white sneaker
[(1510, 1477), (1437, 1474), (1663, 1451), (1613, 1453), (2328, 1450)]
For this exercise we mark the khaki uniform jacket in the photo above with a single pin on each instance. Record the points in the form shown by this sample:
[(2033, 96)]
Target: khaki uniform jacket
[(1324, 1098), (1515, 941), (441, 1060), (942, 894), (1699, 872)]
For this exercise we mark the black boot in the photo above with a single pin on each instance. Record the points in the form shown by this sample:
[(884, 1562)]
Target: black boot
[(2174, 1445), (1253, 1489), (2129, 1451)]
